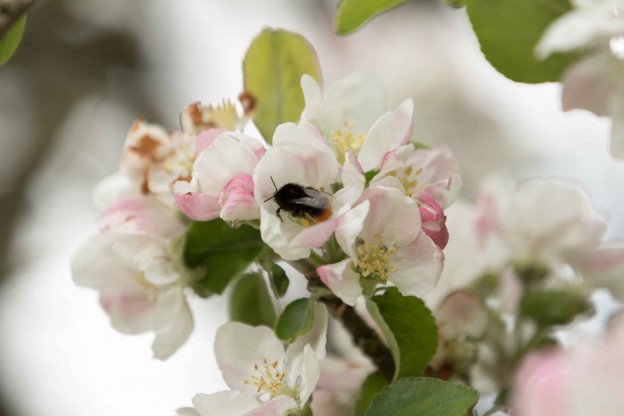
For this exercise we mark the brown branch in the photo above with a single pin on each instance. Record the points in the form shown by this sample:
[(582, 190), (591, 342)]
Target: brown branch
[(363, 335), (11, 11)]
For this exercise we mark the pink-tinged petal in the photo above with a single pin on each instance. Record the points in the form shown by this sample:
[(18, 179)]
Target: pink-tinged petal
[(461, 314), (237, 200), (198, 206), (342, 281), (433, 221), (225, 403), (313, 97), (113, 188), (418, 266), (353, 180), (238, 347), (445, 191), (403, 124), (541, 385), (173, 323), (129, 314), (206, 138), (274, 407), (392, 215), (315, 236)]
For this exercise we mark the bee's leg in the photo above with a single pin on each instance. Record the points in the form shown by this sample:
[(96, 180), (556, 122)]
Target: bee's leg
[(279, 215)]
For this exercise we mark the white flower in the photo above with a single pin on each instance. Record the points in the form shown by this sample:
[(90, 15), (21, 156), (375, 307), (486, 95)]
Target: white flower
[(265, 379), (596, 81), (353, 117), (384, 241), (221, 184), (136, 269), (299, 156)]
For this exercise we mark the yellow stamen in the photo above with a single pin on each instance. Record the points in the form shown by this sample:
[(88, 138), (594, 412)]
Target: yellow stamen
[(345, 139), (375, 260), (408, 177), (267, 378)]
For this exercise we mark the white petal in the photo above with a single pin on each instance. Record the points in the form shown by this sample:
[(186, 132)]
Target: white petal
[(173, 323), (238, 347), (579, 28), (279, 235), (113, 188), (392, 215), (225, 403), (316, 337), (342, 281), (418, 266), (313, 97), (303, 367), (380, 139)]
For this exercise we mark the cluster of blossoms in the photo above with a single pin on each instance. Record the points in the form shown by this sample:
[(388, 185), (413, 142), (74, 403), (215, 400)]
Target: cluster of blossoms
[(594, 29), (345, 190)]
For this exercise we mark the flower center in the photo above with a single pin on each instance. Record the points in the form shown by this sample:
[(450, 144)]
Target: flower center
[(345, 139), (408, 177), (151, 290), (267, 378), (374, 260)]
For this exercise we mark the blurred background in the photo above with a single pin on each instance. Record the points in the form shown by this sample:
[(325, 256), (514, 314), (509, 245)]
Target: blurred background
[(86, 69)]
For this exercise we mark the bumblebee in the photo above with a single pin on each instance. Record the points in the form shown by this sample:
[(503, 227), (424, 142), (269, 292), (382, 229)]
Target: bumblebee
[(308, 205)]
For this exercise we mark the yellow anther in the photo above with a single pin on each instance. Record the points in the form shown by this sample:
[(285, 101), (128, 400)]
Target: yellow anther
[(408, 177), (345, 139), (375, 260), (267, 378)]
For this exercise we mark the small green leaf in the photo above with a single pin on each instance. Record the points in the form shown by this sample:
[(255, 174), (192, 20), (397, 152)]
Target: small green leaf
[(273, 66), (251, 303), (351, 14), (295, 320), (509, 31), (409, 328), (553, 307), (224, 252), (279, 281), (373, 384), (423, 396), (11, 39)]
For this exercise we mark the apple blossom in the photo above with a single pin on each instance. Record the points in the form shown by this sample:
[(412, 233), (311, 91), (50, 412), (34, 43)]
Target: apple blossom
[(353, 117), (595, 82), (385, 243), (265, 379), (221, 184), (136, 267), (299, 156)]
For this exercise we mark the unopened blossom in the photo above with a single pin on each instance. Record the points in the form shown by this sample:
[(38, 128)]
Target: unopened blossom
[(301, 157), (385, 244), (596, 81), (353, 117), (137, 270), (584, 380), (264, 378), (221, 184)]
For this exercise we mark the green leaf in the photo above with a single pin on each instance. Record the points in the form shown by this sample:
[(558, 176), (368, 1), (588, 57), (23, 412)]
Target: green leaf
[(273, 66), (553, 307), (279, 281), (295, 320), (509, 31), (11, 39), (423, 396), (352, 14), (373, 384), (224, 252), (409, 328), (251, 303)]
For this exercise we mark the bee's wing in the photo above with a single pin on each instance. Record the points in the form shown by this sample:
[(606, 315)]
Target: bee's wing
[(314, 199)]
